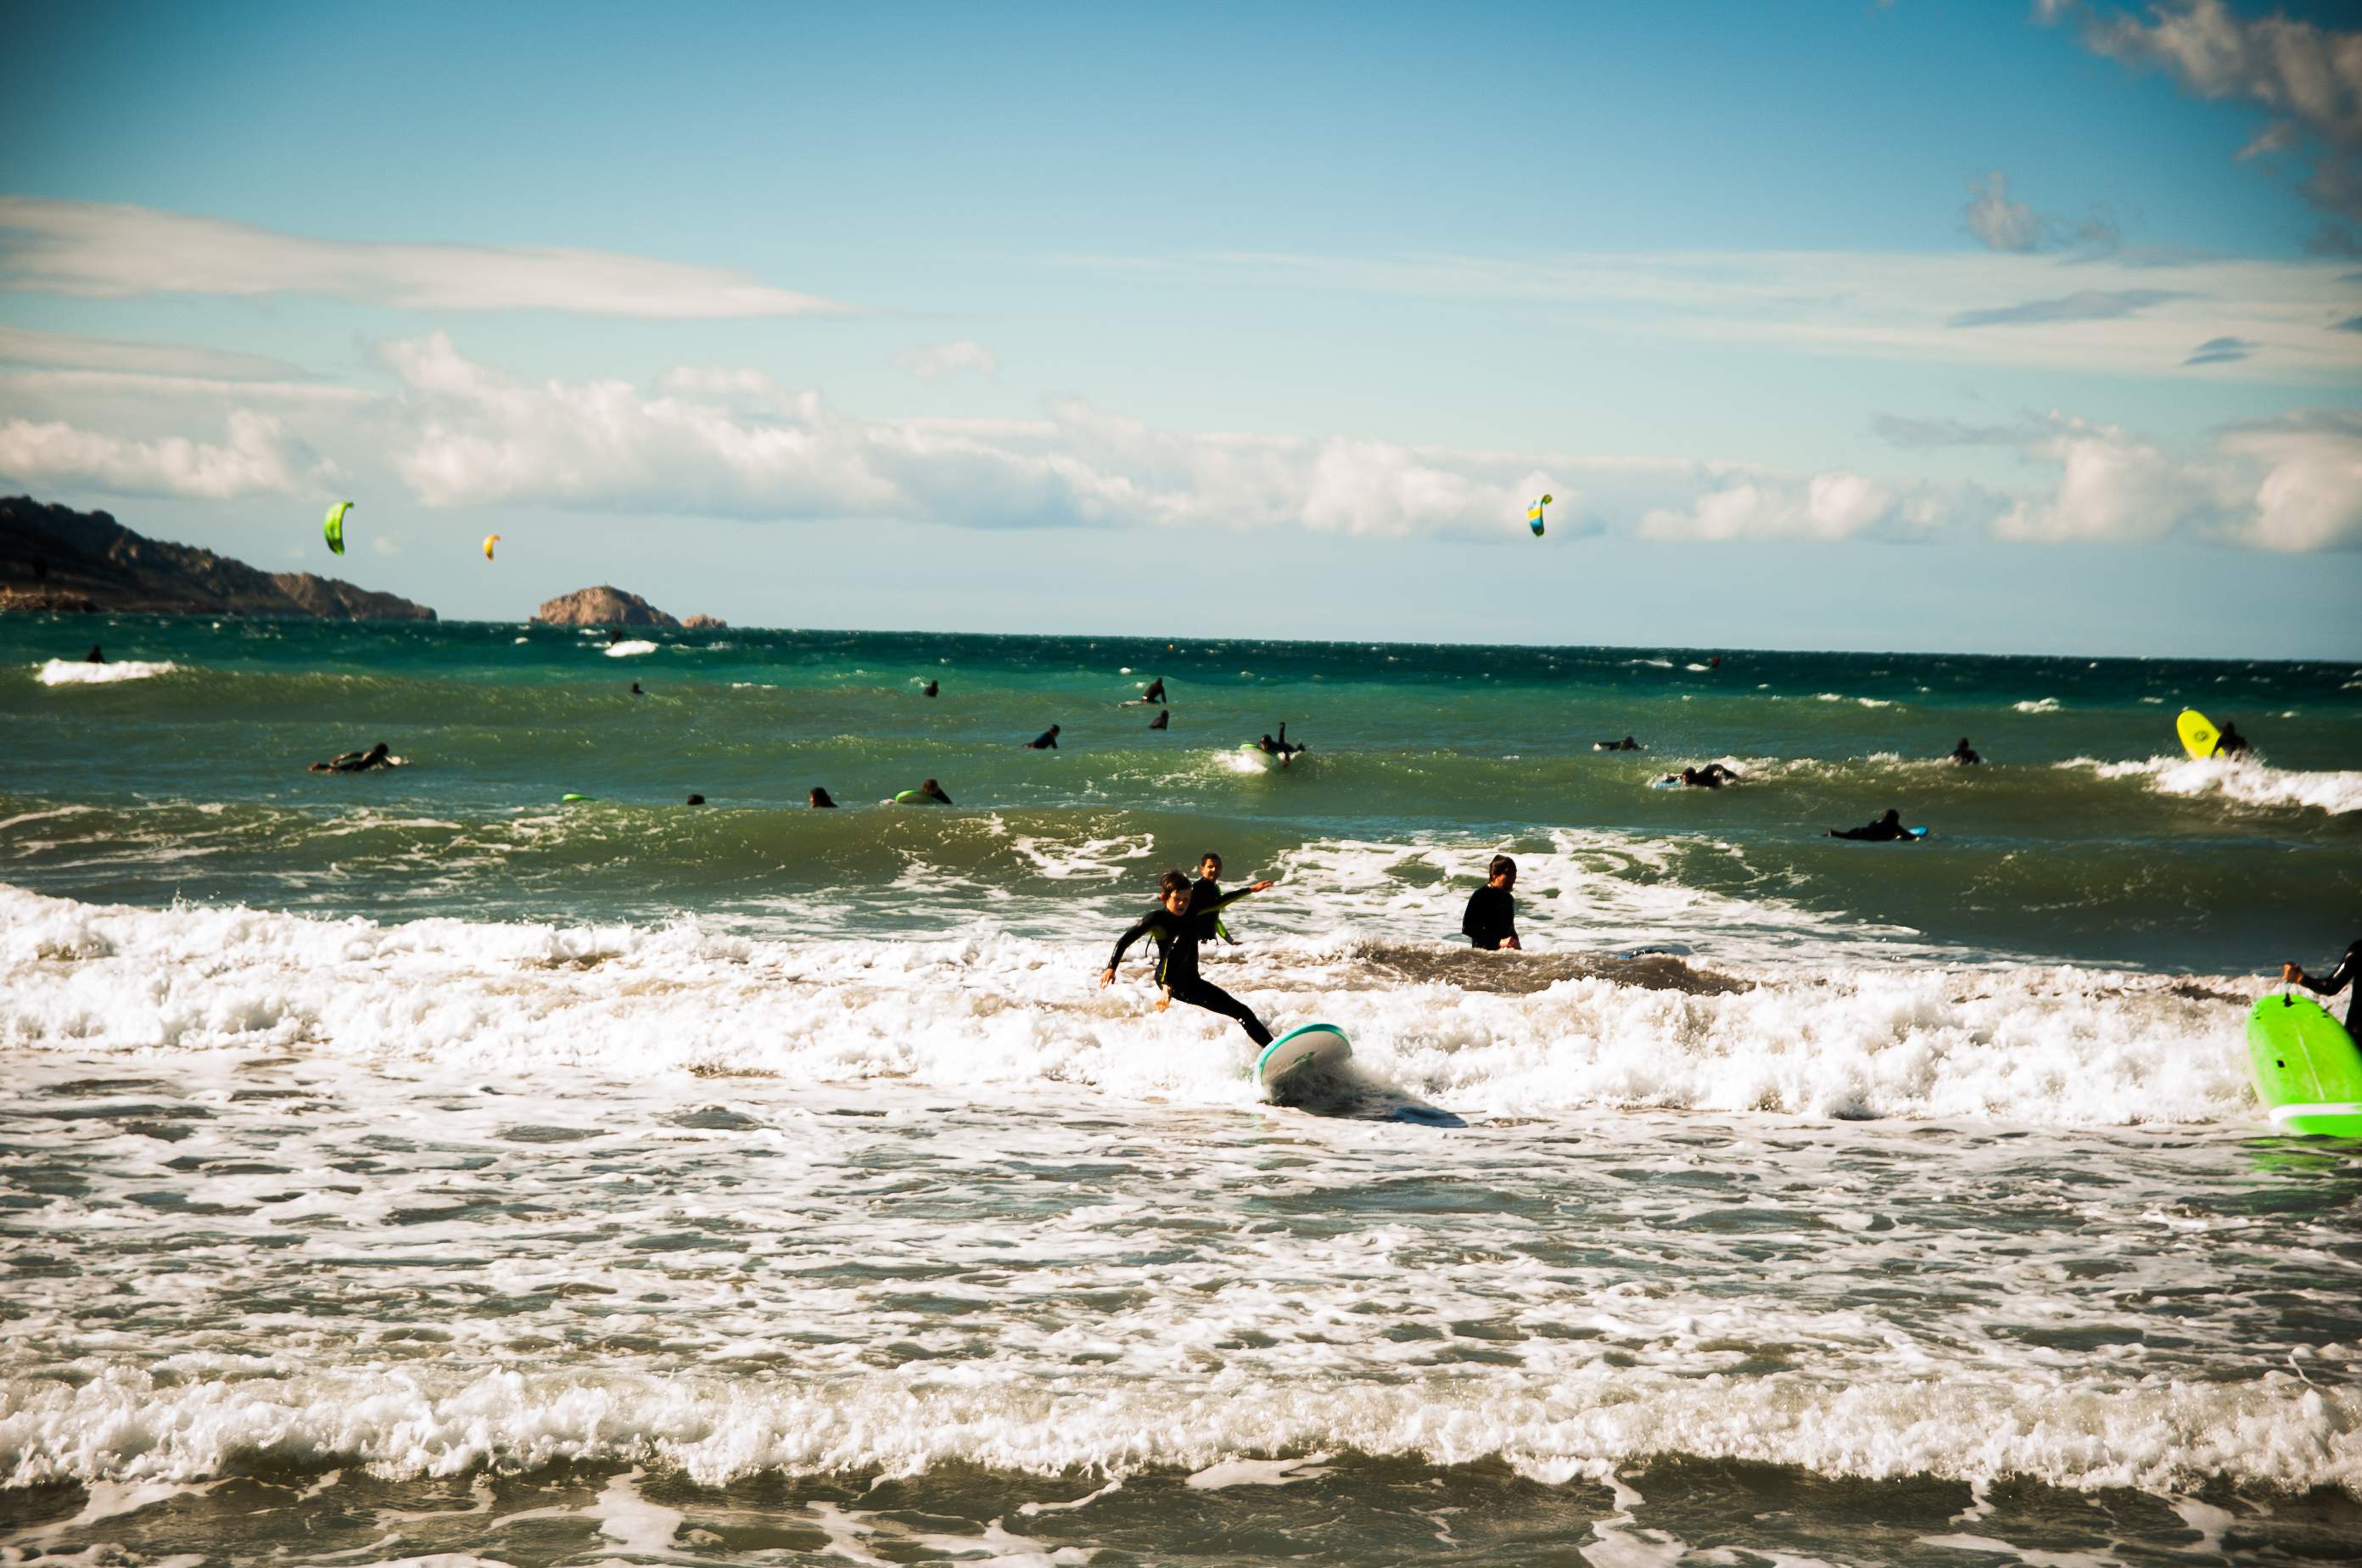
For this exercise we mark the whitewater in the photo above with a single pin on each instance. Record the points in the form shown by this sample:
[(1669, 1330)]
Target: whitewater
[(413, 1167)]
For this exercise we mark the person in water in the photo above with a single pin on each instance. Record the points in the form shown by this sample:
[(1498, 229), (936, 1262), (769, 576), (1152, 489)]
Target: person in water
[(1163, 720), (1963, 756), (933, 791), (1046, 741), (1886, 828), (697, 800), (1205, 894), (1713, 776), (2231, 742), (1490, 921), (1155, 693), (820, 797), (355, 761), (928, 689), (2337, 980), (1173, 925), (1627, 743), (635, 689), (95, 656)]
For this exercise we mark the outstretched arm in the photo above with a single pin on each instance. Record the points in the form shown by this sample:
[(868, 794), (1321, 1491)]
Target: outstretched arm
[(1146, 926)]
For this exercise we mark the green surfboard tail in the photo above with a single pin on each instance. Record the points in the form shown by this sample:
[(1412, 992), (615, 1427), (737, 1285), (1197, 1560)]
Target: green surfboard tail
[(2307, 1069)]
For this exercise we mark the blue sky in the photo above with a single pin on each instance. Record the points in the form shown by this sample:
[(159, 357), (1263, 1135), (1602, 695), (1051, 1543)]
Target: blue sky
[(1854, 326)]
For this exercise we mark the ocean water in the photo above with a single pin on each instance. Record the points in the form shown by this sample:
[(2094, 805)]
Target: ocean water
[(416, 1165)]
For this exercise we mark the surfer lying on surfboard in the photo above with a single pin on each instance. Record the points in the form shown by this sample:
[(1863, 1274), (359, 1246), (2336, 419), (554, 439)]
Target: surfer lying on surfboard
[(1173, 924), (1888, 827)]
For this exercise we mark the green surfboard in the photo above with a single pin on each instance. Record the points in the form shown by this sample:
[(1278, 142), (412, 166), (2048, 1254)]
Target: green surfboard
[(2308, 1073), (1314, 1046)]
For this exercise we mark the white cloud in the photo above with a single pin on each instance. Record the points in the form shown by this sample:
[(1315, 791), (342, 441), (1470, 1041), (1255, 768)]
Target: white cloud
[(70, 351), (2290, 483), (2310, 77), (93, 251), (1838, 504), (261, 458), (941, 358), (2122, 312)]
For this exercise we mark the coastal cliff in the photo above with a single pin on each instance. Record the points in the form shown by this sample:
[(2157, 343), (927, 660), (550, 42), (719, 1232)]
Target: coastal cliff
[(55, 559)]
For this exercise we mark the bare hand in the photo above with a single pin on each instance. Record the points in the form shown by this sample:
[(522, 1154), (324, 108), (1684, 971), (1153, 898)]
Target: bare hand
[(1507, 943), (2292, 973), (1106, 979), (1259, 887), (1165, 998)]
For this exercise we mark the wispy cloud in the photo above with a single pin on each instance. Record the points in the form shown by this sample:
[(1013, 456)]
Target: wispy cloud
[(91, 251), (70, 351), (2309, 77), (943, 359), (2221, 351), (2105, 312), (2004, 225), (2084, 304)]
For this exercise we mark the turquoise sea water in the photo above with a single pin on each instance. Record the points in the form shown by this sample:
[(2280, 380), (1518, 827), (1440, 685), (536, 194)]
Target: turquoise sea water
[(414, 1163)]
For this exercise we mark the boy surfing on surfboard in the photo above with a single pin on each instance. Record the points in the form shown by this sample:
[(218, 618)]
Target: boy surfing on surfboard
[(1173, 924)]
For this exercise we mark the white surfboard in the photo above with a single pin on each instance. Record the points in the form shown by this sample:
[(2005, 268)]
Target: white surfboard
[(1299, 1050)]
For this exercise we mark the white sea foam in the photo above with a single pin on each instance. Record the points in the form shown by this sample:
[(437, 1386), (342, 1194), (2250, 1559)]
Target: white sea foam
[(2239, 779), (75, 672), (2057, 1046), (2040, 705), (627, 649)]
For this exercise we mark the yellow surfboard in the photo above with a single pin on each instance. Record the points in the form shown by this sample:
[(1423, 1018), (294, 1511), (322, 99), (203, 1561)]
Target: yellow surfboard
[(2198, 733)]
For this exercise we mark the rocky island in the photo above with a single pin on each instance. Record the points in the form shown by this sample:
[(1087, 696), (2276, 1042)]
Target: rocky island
[(605, 606), (55, 559)]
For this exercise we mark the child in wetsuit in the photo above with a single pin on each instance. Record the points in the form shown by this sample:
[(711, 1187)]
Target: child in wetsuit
[(1173, 926)]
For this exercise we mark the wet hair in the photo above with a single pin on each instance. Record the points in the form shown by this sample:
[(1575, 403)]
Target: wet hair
[(1892, 815), (928, 787), (1173, 882), (820, 797), (697, 800), (1502, 863)]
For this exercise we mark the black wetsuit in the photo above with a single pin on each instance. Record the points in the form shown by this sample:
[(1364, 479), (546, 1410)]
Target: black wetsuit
[(1163, 720), (1155, 693), (1491, 915), (1878, 831), (2337, 980), (1206, 894), (1177, 963), (928, 689), (1046, 741)]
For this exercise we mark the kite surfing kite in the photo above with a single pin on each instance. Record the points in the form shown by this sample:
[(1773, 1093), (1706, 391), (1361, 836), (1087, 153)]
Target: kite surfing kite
[(1534, 516), (334, 526), (489, 540)]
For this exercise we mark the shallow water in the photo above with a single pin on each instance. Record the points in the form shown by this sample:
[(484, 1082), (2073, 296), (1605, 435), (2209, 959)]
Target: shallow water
[(402, 1164)]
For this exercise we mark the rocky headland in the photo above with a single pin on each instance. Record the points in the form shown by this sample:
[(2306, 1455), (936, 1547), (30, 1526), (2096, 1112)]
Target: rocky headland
[(55, 559)]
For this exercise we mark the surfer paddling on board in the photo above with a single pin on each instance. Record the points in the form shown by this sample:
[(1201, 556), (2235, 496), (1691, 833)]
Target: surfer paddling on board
[(1279, 748), (1046, 741), (355, 761), (1490, 921), (1173, 924), (2336, 982), (1713, 776), (1886, 829), (1627, 743)]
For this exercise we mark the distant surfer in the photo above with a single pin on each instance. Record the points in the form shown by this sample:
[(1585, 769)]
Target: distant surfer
[(1205, 894), (355, 761), (1627, 743), (635, 689), (614, 635), (2232, 744), (1173, 925), (1279, 748), (1046, 741), (697, 800), (928, 689), (1713, 776), (1155, 693), (1163, 720), (1490, 921), (1963, 756), (95, 656), (1885, 829), (820, 797), (929, 789), (2338, 980)]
